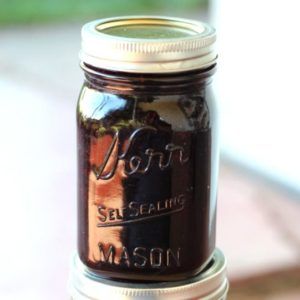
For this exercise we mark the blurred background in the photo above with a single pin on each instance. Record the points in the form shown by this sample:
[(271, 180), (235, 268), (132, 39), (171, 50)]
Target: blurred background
[(257, 85)]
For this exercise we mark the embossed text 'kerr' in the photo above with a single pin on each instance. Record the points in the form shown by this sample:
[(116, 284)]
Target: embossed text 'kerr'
[(135, 164)]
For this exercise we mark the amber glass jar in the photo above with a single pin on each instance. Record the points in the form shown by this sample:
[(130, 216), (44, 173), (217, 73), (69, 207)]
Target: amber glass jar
[(147, 148)]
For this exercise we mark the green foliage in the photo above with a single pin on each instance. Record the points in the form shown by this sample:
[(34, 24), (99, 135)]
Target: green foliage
[(29, 11)]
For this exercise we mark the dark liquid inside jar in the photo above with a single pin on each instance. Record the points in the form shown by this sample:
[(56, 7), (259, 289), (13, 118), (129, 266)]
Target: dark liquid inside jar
[(147, 174)]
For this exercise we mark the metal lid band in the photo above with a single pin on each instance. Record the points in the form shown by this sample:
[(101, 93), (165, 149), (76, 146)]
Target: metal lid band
[(208, 285), (148, 44)]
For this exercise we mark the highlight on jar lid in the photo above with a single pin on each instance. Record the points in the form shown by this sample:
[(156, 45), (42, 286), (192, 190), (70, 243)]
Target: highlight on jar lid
[(148, 44)]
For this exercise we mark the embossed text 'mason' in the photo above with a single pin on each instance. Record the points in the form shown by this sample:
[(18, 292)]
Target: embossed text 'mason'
[(140, 257)]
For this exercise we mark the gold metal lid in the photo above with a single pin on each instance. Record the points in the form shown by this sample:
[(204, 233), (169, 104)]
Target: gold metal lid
[(148, 44), (210, 284)]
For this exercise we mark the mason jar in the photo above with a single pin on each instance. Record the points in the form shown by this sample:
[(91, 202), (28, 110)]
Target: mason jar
[(147, 148)]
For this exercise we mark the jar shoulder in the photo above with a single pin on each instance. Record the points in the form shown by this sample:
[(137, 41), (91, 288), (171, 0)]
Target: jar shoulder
[(193, 109)]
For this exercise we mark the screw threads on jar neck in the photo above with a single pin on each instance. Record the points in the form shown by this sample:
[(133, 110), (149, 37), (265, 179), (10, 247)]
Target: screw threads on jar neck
[(154, 83)]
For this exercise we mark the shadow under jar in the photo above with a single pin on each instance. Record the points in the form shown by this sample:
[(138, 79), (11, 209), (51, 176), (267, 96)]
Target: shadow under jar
[(147, 155)]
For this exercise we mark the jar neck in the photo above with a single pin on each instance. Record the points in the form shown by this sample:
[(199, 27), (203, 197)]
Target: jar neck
[(143, 83)]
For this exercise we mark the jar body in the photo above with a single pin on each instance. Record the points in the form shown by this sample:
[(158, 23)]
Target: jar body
[(147, 174)]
